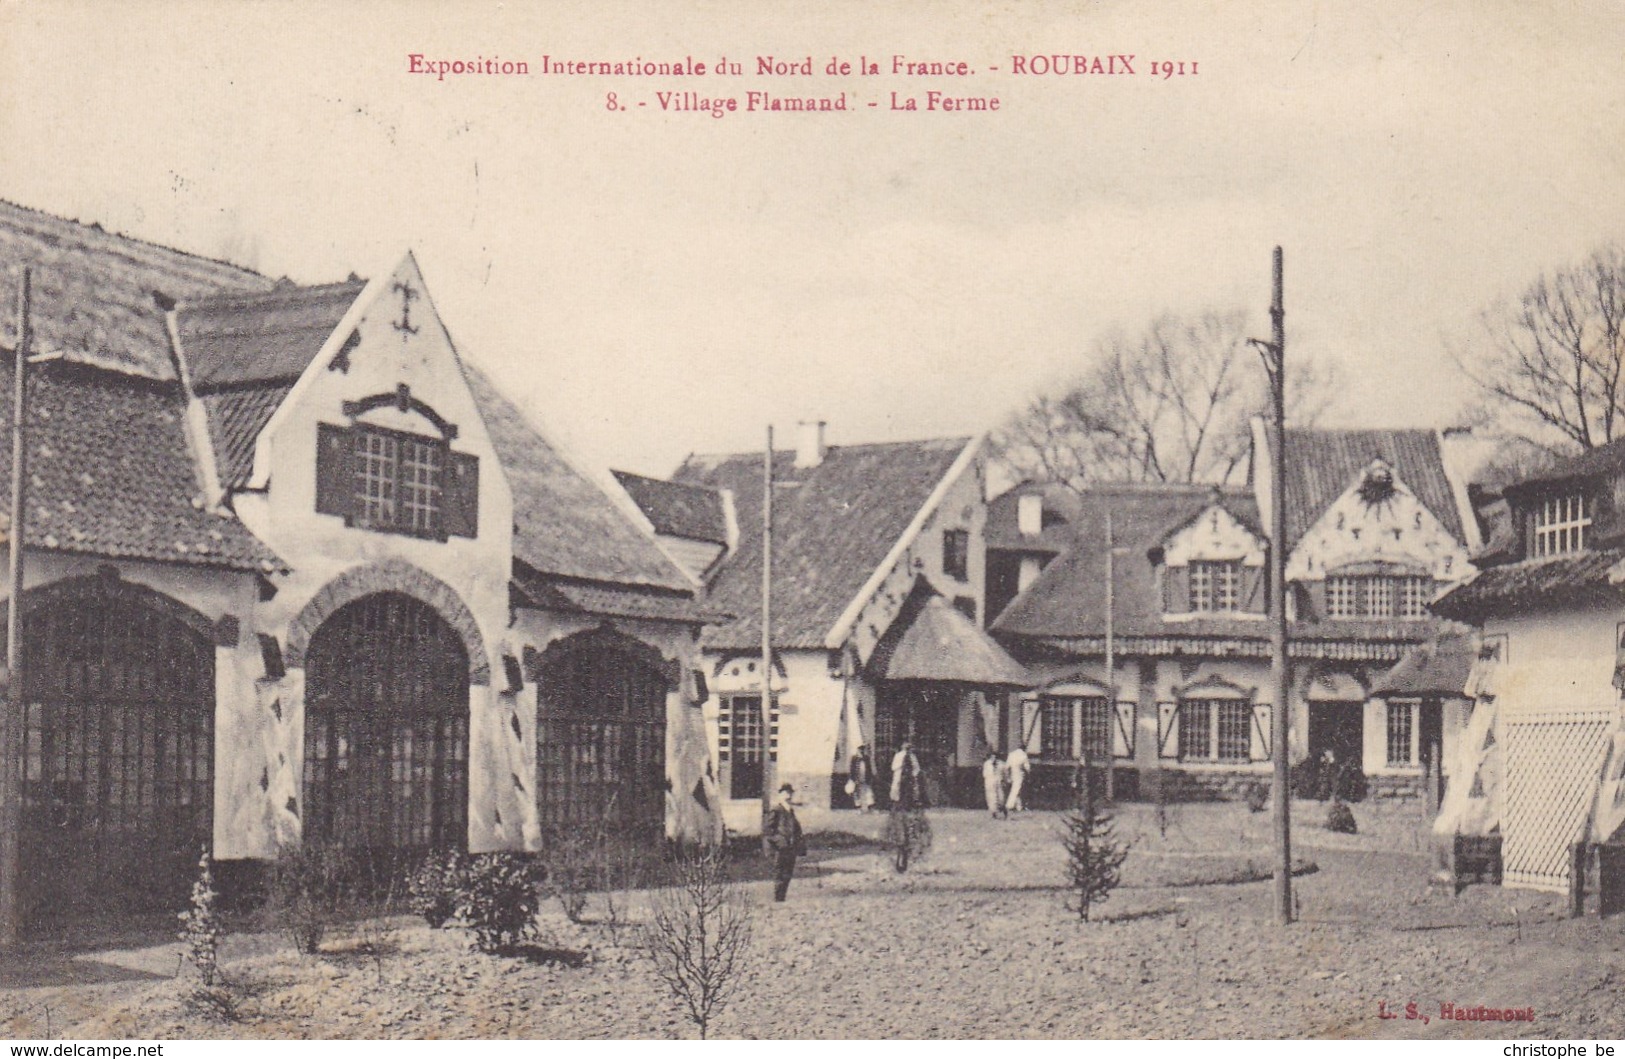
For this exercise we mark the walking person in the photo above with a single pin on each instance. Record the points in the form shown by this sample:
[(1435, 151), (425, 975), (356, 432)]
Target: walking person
[(993, 783), (783, 841), (861, 780), (1018, 765)]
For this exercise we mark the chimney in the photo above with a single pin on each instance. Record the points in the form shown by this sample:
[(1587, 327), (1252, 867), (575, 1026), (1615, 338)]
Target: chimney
[(810, 446), (1030, 514)]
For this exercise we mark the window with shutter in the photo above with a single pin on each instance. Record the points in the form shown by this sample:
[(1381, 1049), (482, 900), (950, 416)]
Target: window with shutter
[(396, 482)]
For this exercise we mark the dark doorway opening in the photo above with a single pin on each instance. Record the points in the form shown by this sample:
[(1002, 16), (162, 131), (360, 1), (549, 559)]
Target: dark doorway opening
[(1338, 728)]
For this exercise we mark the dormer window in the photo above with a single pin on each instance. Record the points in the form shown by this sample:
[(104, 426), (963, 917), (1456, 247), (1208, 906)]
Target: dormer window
[(1560, 525), (1378, 597), (1215, 586)]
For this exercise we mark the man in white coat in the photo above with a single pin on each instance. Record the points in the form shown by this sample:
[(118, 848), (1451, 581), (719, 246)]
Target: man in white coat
[(1018, 765)]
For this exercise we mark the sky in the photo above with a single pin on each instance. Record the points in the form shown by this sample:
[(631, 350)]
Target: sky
[(650, 283)]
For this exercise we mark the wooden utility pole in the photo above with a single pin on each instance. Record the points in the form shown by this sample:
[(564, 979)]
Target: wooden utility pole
[(767, 628), (1281, 715), (11, 725), (1111, 659)]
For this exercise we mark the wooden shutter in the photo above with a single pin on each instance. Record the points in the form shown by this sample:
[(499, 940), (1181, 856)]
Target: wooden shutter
[(1252, 590), (1168, 729), (1123, 730), (1176, 589), (1260, 749), (335, 471), (462, 495)]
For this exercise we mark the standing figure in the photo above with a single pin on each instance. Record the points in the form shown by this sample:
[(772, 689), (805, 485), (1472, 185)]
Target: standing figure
[(783, 841), (1019, 765), (905, 778), (993, 783), (862, 775)]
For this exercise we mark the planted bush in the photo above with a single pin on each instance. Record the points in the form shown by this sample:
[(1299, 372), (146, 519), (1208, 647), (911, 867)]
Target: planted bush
[(498, 897), (1258, 798), (433, 887), (308, 892)]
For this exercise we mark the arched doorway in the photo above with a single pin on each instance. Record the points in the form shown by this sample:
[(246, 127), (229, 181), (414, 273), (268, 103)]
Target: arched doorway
[(386, 729), (601, 755), (118, 786)]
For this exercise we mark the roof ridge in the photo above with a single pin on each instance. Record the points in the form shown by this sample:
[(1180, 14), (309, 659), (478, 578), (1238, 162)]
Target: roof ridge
[(130, 242), (270, 296), (957, 440)]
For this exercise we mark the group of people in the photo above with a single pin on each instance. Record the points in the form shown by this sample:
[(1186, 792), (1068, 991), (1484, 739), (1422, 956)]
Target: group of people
[(1002, 781), (907, 779)]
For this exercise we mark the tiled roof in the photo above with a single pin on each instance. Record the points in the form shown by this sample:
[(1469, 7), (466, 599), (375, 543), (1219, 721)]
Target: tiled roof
[(94, 291), (110, 473), (260, 336), (236, 417), (1603, 460), (565, 524), (531, 589), (1321, 465), (1003, 531), (1438, 667), (678, 510), (930, 640), (1068, 600), (1564, 580), (833, 524)]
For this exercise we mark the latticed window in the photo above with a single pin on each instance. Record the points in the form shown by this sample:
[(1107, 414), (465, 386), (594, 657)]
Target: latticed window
[(743, 744), (1055, 728), (1379, 598), (1561, 524), (397, 481), (956, 554), (118, 741), (1401, 734), (1097, 728), (601, 756), (1413, 597), (1215, 730), (386, 728), (1196, 729), (1233, 730), (1215, 586), (1343, 597)]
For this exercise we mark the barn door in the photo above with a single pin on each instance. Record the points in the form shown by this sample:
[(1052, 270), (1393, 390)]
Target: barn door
[(386, 729), (118, 786)]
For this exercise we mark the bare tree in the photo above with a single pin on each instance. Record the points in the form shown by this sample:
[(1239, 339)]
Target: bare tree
[(699, 934), (1171, 404), (1549, 366)]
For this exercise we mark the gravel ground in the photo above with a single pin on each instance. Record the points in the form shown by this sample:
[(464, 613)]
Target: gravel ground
[(975, 941)]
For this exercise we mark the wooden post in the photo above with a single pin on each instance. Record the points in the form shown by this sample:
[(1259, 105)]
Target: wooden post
[(11, 725), (768, 770), (1279, 681), (1111, 664)]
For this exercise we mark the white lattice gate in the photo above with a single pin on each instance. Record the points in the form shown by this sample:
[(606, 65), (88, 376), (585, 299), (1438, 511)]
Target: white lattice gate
[(1553, 759)]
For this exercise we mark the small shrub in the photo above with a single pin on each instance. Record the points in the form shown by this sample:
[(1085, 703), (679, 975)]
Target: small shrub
[(201, 928), (1258, 798), (432, 887), (308, 891), (1340, 818), (1094, 854), (699, 934), (499, 896), (571, 869)]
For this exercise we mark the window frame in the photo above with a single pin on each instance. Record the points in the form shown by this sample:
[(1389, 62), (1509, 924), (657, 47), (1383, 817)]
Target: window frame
[(956, 554), (1560, 524), (1377, 597), (1407, 713), (400, 486), (1215, 586), (1226, 724)]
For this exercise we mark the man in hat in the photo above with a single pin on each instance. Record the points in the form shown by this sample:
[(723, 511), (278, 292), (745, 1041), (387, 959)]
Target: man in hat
[(782, 840)]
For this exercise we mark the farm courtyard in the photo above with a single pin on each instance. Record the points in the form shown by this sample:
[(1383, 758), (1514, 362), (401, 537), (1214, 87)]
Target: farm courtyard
[(975, 940)]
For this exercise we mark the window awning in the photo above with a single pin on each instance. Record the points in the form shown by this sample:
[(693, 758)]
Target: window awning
[(932, 641)]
